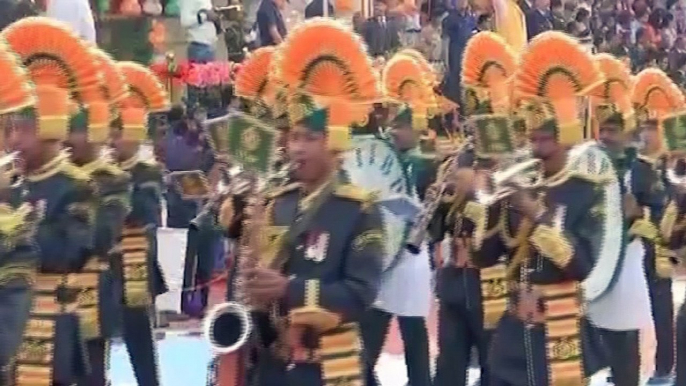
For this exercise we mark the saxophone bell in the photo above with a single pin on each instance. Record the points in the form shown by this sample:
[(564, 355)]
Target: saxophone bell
[(227, 327)]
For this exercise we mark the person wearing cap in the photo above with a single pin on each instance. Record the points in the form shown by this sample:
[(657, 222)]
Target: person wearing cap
[(143, 279), (18, 219), (52, 351), (650, 191), (406, 290), (472, 299), (88, 131), (613, 120), (546, 231), (333, 270)]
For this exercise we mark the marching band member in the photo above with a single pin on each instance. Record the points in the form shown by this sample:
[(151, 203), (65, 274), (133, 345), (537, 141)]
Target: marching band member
[(59, 64), (613, 121), (673, 226), (327, 232), (18, 252), (655, 97), (550, 237), (142, 276), (472, 302), (89, 129), (405, 290)]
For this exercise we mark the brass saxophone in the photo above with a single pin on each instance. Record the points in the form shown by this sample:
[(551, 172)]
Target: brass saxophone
[(228, 325), (418, 231)]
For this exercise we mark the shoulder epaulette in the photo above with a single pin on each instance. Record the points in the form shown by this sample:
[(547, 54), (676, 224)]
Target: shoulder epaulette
[(149, 170), (74, 171), (276, 192), (356, 193)]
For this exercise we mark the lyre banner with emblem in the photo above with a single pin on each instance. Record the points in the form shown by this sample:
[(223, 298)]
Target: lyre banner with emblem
[(191, 185), (493, 135), (675, 132), (249, 142)]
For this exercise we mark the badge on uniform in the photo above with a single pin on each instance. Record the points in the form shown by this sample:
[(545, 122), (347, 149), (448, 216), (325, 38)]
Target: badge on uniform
[(317, 246)]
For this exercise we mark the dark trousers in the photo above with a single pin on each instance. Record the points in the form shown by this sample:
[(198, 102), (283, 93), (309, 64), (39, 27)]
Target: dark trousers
[(374, 328), (497, 382), (661, 299), (97, 354), (681, 346), (623, 356), (459, 330), (139, 340)]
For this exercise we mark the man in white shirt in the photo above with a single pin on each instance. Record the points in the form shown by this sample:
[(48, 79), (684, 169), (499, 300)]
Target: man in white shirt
[(198, 18), (77, 14)]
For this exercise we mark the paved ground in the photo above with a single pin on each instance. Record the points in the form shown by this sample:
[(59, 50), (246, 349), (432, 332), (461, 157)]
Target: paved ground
[(183, 358)]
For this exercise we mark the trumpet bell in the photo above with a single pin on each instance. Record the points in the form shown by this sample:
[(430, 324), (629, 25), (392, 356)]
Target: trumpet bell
[(227, 327)]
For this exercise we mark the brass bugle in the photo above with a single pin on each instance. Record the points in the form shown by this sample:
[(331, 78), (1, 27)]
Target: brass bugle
[(520, 176)]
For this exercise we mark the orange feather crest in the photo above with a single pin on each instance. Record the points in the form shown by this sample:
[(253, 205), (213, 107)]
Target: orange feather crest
[(16, 90), (146, 90), (555, 66), (114, 86), (426, 67), (54, 55), (404, 81), (252, 81), (654, 94), (554, 72), (325, 60), (487, 65)]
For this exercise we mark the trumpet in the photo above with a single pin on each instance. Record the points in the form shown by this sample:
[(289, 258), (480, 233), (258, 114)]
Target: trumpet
[(521, 175)]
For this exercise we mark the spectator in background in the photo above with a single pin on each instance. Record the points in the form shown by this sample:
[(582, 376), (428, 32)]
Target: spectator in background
[(582, 19), (198, 19), (381, 35), (558, 14), (484, 23), (316, 9), (538, 19), (75, 13), (270, 24), (430, 43), (358, 23), (458, 27), (13, 10)]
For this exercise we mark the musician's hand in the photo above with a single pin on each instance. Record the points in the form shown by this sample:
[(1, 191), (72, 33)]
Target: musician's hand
[(524, 203), (265, 286), (462, 181)]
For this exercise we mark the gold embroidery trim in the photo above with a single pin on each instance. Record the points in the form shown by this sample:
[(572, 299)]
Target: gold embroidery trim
[(644, 228), (311, 293), (562, 313), (494, 291), (369, 237), (478, 214), (668, 221), (664, 267), (552, 244), (341, 352)]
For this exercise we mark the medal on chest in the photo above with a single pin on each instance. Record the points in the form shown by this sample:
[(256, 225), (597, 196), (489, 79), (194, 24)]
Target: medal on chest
[(317, 246)]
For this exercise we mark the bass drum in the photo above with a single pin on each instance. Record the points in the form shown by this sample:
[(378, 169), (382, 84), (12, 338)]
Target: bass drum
[(374, 165)]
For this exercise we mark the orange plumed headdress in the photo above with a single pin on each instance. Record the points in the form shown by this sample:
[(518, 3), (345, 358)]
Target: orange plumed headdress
[(654, 95), (424, 64), (487, 64), (146, 95), (16, 90), (611, 100), (555, 72), (254, 83), (405, 82), (114, 85), (328, 63), (55, 58)]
